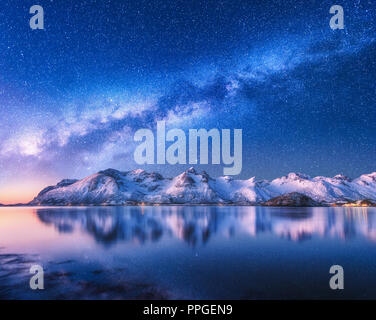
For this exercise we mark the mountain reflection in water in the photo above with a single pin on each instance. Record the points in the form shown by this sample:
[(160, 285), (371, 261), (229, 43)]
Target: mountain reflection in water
[(187, 252), (197, 225)]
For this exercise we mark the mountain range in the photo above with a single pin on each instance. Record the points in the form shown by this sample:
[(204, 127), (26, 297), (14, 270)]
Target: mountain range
[(113, 187)]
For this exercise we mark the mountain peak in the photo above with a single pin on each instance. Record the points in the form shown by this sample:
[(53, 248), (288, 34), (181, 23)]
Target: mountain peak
[(297, 176), (342, 177), (191, 170), (373, 174), (368, 178), (138, 171), (109, 172)]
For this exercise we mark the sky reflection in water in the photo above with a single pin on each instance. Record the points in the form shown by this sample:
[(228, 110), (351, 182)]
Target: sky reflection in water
[(187, 252)]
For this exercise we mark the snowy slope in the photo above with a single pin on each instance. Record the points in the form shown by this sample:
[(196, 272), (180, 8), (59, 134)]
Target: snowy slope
[(113, 187)]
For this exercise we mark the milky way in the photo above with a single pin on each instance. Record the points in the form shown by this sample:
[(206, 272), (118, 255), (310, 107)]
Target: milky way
[(72, 95)]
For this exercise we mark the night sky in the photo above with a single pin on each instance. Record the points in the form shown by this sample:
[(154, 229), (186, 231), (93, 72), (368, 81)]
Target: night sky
[(72, 95)]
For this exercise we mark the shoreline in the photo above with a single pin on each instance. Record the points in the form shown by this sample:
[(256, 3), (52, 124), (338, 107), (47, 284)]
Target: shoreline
[(182, 205)]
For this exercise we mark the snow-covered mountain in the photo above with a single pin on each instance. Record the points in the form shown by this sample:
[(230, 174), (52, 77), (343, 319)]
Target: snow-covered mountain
[(112, 187)]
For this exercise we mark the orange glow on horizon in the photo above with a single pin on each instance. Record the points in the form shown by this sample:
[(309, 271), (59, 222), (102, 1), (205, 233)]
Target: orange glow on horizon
[(12, 193)]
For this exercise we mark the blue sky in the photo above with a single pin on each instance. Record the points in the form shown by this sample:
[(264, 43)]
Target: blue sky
[(72, 95)]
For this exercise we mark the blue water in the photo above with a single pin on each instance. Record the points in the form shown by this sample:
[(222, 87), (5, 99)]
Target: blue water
[(177, 252)]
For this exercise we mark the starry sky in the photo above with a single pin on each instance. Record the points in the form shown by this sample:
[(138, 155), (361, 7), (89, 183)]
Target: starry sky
[(72, 95)]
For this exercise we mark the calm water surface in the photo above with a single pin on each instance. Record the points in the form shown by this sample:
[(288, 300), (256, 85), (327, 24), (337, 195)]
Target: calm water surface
[(187, 252)]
